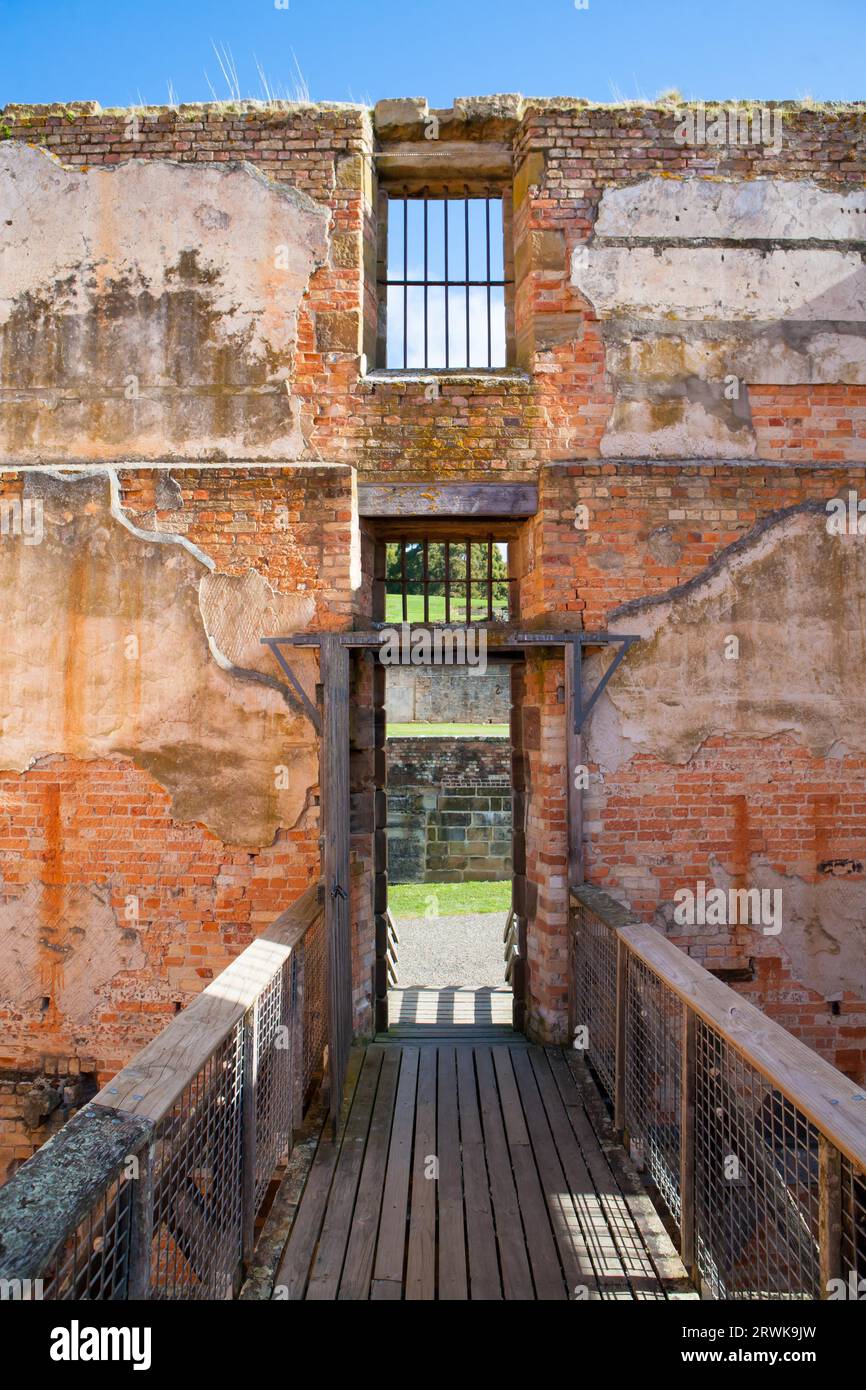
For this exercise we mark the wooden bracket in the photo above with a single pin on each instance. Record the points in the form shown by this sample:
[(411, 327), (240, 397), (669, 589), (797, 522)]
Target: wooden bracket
[(311, 711), (594, 639)]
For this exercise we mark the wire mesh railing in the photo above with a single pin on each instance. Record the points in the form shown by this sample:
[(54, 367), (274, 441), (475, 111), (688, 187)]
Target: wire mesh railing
[(755, 1144), (153, 1189)]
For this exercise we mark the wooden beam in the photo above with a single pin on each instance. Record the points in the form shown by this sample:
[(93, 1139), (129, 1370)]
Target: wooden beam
[(573, 765), (447, 499), (334, 672)]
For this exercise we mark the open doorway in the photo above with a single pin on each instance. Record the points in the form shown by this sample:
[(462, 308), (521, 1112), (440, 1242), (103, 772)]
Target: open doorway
[(450, 782)]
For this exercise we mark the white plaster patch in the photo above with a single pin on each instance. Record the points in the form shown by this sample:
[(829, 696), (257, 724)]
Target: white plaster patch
[(141, 217), (823, 933), (710, 283), (62, 944), (633, 433), (772, 209)]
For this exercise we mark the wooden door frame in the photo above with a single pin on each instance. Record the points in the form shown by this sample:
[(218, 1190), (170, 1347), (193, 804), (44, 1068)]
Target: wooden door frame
[(335, 648)]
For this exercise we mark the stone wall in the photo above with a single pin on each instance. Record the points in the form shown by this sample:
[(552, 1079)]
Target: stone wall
[(449, 810), (454, 696)]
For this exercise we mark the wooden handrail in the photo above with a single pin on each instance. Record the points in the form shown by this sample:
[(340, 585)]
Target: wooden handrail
[(833, 1103), (152, 1082)]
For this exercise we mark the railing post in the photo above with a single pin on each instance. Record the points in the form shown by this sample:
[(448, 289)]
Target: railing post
[(688, 1080), (141, 1226), (297, 1025), (248, 1131), (621, 1041), (829, 1214)]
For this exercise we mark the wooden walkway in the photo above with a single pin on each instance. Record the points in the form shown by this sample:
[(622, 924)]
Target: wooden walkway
[(451, 1014), (474, 1170)]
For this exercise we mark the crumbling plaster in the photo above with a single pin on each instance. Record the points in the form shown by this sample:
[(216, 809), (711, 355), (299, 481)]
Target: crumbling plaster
[(150, 309), (121, 642), (704, 287), (794, 597)]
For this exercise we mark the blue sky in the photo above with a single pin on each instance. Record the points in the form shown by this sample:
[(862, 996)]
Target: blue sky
[(122, 52)]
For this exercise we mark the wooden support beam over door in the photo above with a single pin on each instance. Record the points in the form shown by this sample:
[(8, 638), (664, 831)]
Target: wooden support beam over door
[(449, 500)]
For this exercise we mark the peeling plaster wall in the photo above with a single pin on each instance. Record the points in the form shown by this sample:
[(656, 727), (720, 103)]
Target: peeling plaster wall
[(704, 288), (158, 782), (108, 652), (150, 309), (735, 773)]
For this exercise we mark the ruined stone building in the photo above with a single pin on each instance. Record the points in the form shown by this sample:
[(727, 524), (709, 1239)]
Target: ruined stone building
[(211, 421)]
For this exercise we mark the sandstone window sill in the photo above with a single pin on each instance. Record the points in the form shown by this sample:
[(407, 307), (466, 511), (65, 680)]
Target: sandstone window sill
[(457, 376)]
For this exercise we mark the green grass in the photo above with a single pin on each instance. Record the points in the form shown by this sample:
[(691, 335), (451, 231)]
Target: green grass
[(451, 899), (436, 610), (447, 731)]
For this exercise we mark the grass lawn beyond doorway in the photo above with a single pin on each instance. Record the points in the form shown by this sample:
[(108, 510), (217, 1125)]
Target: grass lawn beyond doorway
[(451, 899)]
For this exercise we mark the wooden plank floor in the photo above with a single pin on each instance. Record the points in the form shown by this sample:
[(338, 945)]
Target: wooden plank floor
[(451, 1013), (474, 1170)]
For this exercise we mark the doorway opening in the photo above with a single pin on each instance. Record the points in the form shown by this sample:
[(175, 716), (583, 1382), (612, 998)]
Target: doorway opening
[(453, 781)]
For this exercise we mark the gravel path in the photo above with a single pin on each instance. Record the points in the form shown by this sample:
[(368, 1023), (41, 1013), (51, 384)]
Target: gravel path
[(465, 950)]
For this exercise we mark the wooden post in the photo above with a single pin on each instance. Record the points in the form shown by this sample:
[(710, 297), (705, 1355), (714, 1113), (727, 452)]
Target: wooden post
[(298, 1031), (573, 762), (688, 1080), (248, 1132), (829, 1213), (141, 1227), (335, 857), (621, 1038)]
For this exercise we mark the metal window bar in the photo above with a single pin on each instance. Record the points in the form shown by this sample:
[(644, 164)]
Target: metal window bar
[(481, 594), (465, 282)]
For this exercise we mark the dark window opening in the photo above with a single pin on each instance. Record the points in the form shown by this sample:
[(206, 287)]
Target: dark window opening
[(445, 284), (447, 581)]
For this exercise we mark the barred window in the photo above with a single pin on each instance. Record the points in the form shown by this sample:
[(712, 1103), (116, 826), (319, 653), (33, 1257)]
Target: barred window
[(445, 285), (444, 580)]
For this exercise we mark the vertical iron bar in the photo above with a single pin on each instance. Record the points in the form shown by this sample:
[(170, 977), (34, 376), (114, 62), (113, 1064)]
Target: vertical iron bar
[(403, 580), (405, 284), (487, 222), (466, 230), (468, 581), (447, 297), (425, 290), (447, 581), (490, 579), (426, 573)]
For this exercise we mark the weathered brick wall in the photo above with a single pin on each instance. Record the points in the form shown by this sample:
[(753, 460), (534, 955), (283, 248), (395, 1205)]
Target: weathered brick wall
[(650, 528), (566, 155), (34, 1105), (451, 762), (105, 827), (739, 809)]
